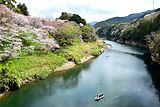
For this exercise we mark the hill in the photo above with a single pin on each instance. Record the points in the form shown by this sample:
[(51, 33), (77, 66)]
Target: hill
[(116, 20), (93, 23), (143, 32)]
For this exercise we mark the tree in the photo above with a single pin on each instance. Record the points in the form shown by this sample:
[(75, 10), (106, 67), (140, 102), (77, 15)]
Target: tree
[(67, 34), (154, 45), (88, 33), (76, 18), (8, 3), (72, 17), (64, 16), (22, 9), (157, 10)]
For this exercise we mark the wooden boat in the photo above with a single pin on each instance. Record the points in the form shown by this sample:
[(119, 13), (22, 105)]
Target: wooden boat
[(99, 97)]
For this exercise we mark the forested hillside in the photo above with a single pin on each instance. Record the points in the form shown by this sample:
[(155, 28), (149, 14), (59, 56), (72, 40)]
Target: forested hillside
[(116, 20), (142, 32)]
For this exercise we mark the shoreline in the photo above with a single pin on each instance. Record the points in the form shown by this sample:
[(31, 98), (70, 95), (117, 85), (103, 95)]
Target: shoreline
[(85, 59), (65, 66), (69, 64)]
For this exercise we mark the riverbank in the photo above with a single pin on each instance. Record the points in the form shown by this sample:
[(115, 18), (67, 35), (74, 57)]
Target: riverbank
[(143, 32), (70, 64), (128, 42), (40, 66), (65, 66), (122, 70), (33, 48)]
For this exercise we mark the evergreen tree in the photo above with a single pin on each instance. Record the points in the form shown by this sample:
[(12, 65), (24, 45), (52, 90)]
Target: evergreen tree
[(23, 9), (72, 17)]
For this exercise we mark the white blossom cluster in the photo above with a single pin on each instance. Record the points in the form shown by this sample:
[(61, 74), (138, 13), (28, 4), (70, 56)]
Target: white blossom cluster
[(16, 28)]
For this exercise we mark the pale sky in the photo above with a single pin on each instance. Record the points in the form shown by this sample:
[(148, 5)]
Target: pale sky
[(91, 10)]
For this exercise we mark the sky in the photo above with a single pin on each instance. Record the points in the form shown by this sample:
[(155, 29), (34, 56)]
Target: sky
[(91, 10)]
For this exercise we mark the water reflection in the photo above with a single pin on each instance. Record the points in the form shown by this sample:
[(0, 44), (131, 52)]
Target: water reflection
[(37, 90)]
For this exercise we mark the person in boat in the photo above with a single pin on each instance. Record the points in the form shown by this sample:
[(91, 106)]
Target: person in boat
[(99, 97)]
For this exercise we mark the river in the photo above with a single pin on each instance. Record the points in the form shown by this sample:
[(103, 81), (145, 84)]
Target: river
[(120, 73)]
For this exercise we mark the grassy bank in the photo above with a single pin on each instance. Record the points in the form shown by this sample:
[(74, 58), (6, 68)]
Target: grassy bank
[(32, 48), (78, 51), (16, 72)]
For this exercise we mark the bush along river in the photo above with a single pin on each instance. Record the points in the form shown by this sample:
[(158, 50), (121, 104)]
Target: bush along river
[(120, 73)]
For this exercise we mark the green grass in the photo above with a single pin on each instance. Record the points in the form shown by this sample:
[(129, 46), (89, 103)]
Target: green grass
[(27, 67), (36, 64), (78, 51), (39, 65)]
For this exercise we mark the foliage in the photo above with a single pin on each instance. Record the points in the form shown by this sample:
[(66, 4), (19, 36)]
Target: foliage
[(9, 3), (4, 43), (65, 16), (8, 79), (72, 17), (29, 53), (88, 33), (13, 73), (39, 65), (134, 31), (157, 10), (22, 9), (143, 32), (76, 18), (28, 38), (67, 34), (71, 32), (78, 51), (154, 46)]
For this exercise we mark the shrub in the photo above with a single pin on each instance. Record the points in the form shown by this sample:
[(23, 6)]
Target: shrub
[(78, 51), (88, 33), (67, 34), (28, 38), (9, 78), (95, 52)]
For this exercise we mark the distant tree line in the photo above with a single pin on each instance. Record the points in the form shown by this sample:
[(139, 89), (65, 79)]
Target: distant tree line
[(134, 31)]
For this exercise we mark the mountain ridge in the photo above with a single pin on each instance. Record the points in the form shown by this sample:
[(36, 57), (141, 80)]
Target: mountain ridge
[(128, 18)]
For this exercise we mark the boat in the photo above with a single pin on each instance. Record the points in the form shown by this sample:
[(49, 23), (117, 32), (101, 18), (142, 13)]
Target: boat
[(99, 97)]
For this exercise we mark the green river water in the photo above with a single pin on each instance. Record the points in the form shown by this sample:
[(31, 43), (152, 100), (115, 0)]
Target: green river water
[(120, 73)]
